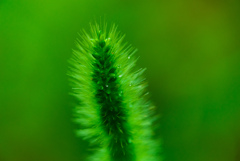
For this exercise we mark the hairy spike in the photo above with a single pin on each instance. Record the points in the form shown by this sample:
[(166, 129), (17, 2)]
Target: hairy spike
[(114, 112)]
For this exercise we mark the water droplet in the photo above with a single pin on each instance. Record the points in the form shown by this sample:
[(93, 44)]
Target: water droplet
[(120, 76), (107, 39), (129, 57), (106, 85)]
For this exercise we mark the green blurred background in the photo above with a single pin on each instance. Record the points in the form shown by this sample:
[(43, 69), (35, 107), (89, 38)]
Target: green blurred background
[(190, 48)]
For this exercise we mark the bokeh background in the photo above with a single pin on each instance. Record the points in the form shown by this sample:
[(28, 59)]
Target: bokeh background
[(190, 48)]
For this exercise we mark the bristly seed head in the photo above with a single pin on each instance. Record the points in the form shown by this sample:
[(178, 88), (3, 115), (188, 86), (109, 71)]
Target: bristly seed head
[(114, 113)]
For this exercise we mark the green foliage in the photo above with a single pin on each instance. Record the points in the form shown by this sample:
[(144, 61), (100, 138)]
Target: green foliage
[(114, 112)]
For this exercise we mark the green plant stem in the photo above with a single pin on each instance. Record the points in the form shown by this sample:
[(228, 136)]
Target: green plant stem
[(114, 112)]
